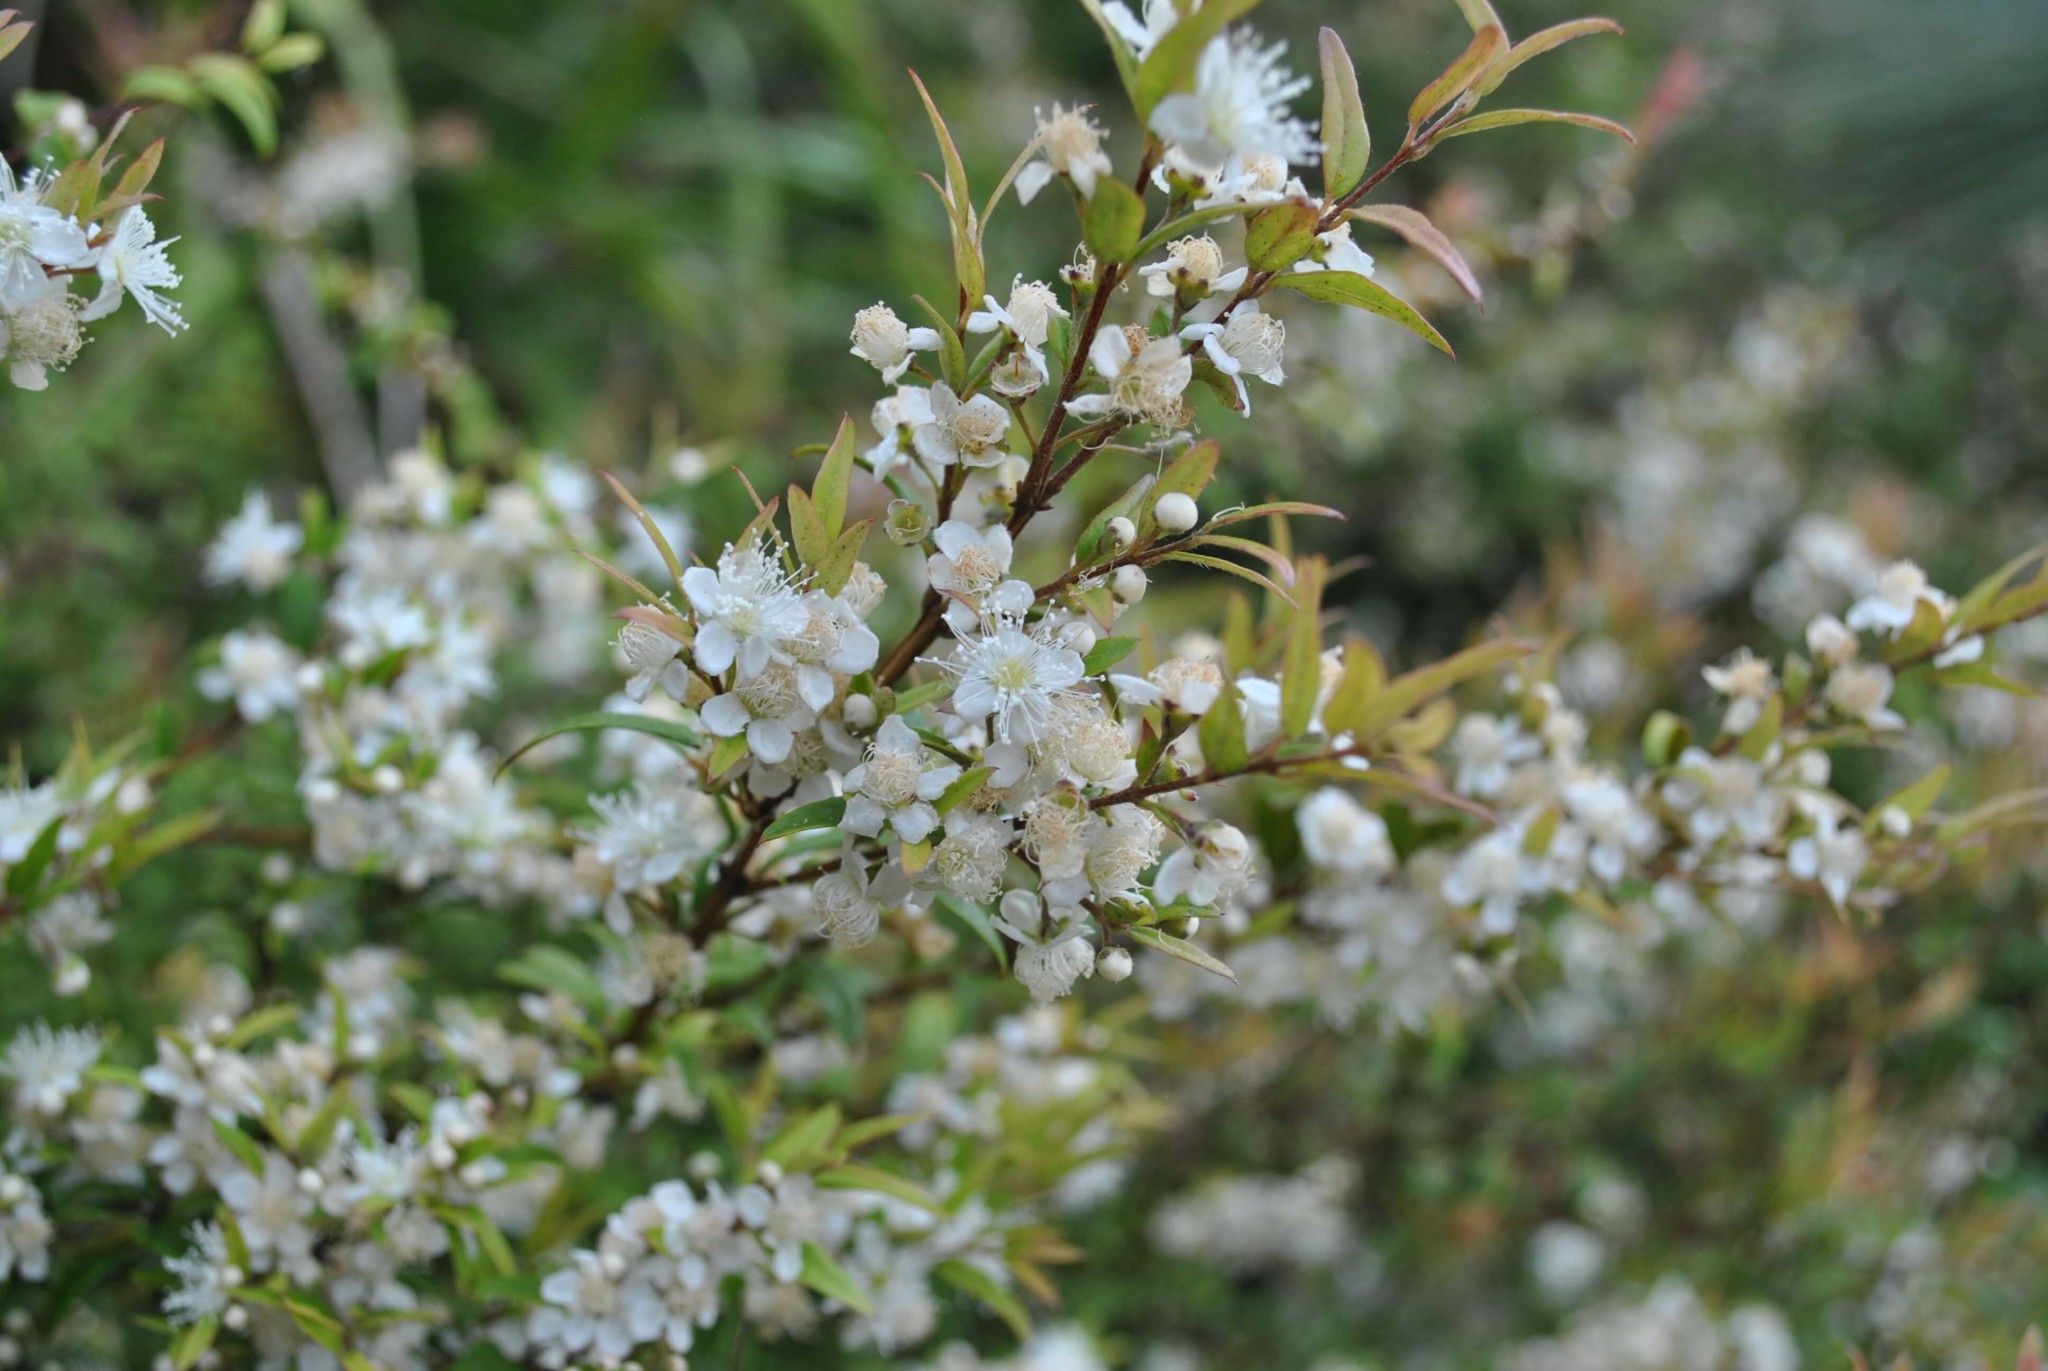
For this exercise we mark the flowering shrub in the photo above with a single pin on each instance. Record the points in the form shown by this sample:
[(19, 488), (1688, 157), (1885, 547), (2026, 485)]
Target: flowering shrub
[(763, 1018)]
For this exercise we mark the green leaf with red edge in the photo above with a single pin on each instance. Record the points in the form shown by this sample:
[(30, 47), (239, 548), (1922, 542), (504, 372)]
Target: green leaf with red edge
[(1415, 228), (11, 34), (1243, 572), (1349, 288), (1247, 546), (1507, 118), (660, 540), (1538, 43), (968, 267), (1487, 44), (1478, 13), (1347, 142), (1271, 507)]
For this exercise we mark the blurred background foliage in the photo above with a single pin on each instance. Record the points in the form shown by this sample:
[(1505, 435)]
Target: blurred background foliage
[(628, 228)]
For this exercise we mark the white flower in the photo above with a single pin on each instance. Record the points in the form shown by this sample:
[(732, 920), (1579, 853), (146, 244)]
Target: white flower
[(896, 417), (1052, 947), (834, 643), (1831, 855), (1488, 749), (1248, 343), (969, 432), (1028, 315), (895, 787), (1143, 34), (654, 657), (886, 342), (668, 1301), (1862, 691), (1192, 265), (1238, 105), (1209, 870), (272, 1211), (747, 610), (1723, 794), (133, 262), (32, 236), (649, 834), (1178, 682), (207, 1279), (48, 1067), (1144, 382), (1617, 827), (1339, 835), (968, 566), (768, 708), (1900, 590), (1335, 251), (1494, 874), (1013, 676), (25, 1231), (254, 548), (24, 814), (258, 671), (1072, 146), (1747, 680), (585, 1310)]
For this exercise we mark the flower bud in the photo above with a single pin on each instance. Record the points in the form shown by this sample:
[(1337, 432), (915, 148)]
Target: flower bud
[(769, 1174), (1120, 534), (859, 712), (311, 1182), (1078, 636), (235, 1319), (1113, 965), (1128, 584), (906, 523), (1176, 513)]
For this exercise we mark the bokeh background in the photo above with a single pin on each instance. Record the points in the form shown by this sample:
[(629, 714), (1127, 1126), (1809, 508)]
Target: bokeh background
[(1803, 329)]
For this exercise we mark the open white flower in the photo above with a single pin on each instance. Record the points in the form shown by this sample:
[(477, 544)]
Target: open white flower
[(1071, 144), (1053, 951), (207, 1278), (1144, 382), (887, 343), (48, 1066), (585, 1312), (747, 610), (895, 786), (1194, 266), (132, 262), (32, 236), (253, 547), (1900, 590), (970, 563), (1239, 105), (1012, 676), (1495, 875), (896, 418), (767, 707), (1831, 855), (1248, 343), (258, 671), (654, 658), (1210, 870), (969, 432), (1863, 691), (1154, 20), (1340, 835)]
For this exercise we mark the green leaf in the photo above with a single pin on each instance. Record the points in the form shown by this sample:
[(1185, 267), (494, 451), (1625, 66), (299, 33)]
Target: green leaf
[(193, 1341), (1113, 221), (1089, 545), (1487, 44), (166, 836), (1221, 732), (1913, 800), (1406, 692), (1347, 142), (837, 568), (664, 729), (952, 353), (973, 1281), (861, 1132), (964, 785), (668, 554), (11, 36), (918, 696), (1425, 237), (1187, 223), (831, 1280), (1106, 654), (824, 813), (1756, 743), (262, 1023), (1181, 948), (292, 52), (1281, 235), (264, 26), (554, 970), (1171, 63), (168, 84), (1365, 675), (1478, 13), (806, 529), (241, 1144), (1272, 507), (1188, 474), (804, 1136), (1349, 288), (244, 92), (835, 477), (23, 875), (975, 920), (1301, 677), (1506, 118), (1538, 43), (1218, 564), (968, 268), (854, 1176)]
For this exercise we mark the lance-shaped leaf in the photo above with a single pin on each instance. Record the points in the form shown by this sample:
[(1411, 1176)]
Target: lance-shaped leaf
[(1349, 288), (1413, 226), (952, 353), (1364, 676), (661, 545), (1508, 118), (1406, 692), (1258, 579), (666, 729), (1538, 43), (11, 34), (835, 480), (1301, 674), (806, 529), (244, 92), (1347, 142), (836, 569), (831, 1280), (1106, 654), (1181, 948), (967, 263), (854, 1176), (1479, 14), (825, 813), (1171, 63), (1487, 44), (1221, 732), (972, 1280)]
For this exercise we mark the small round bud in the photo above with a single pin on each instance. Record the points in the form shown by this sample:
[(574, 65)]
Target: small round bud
[(906, 523), (768, 1173), (1120, 534), (1078, 636), (1128, 584), (13, 1190), (475, 1175), (1176, 513), (625, 1056), (311, 1181), (859, 712), (277, 868), (704, 1165), (323, 791), (219, 1026), (1895, 822), (235, 1319), (614, 1264), (232, 1277), (1113, 965), (288, 917), (388, 779)]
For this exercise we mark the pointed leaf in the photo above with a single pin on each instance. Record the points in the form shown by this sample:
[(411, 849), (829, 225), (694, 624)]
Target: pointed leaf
[(1406, 692), (824, 813), (665, 729), (837, 567), (835, 478), (1181, 948), (1415, 227), (1538, 43), (1113, 221), (952, 353), (654, 533), (1360, 292), (1507, 118), (1347, 142), (1281, 235), (1242, 572), (1106, 654), (1301, 677), (1487, 44), (1221, 733), (831, 1280)]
